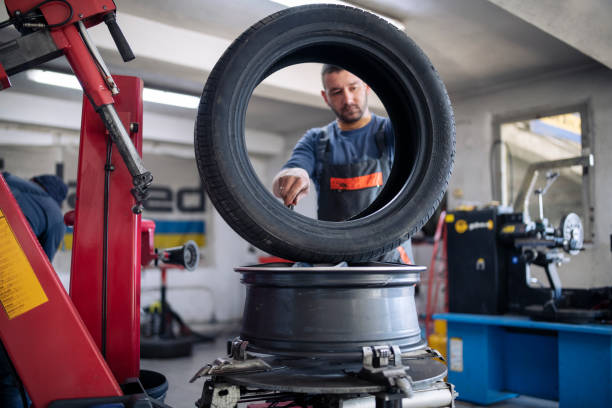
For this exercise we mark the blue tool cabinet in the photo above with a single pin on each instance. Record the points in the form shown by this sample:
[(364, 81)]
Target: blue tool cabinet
[(492, 358)]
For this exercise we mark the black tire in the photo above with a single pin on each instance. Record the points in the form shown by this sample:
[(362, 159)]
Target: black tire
[(156, 347), (403, 78)]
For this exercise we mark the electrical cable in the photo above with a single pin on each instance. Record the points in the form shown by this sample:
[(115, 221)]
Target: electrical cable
[(14, 20), (108, 168), (65, 2)]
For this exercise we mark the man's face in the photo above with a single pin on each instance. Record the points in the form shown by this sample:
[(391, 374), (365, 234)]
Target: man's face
[(346, 95)]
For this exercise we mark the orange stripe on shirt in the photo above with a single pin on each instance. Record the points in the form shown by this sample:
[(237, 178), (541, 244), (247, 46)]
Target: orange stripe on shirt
[(404, 255), (356, 183)]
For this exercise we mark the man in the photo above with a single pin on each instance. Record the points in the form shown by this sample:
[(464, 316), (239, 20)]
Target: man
[(40, 200), (348, 160)]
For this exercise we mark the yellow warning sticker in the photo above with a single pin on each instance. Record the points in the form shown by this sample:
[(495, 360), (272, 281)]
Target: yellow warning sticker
[(461, 226), (20, 290)]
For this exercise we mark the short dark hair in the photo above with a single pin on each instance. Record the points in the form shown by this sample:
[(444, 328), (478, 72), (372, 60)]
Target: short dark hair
[(329, 69)]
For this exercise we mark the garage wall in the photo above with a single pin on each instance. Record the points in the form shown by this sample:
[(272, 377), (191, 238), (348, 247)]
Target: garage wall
[(474, 118), (214, 291)]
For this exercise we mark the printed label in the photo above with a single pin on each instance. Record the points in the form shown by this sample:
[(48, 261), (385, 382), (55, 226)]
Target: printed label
[(20, 290), (508, 229), (456, 354), (461, 226)]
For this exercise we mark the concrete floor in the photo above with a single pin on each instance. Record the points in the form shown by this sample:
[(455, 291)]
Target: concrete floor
[(182, 394), (178, 372)]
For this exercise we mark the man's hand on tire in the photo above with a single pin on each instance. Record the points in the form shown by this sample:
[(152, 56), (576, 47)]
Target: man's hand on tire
[(291, 185)]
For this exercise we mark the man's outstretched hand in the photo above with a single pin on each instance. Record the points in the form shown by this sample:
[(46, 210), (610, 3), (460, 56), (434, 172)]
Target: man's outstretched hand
[(291, 185)]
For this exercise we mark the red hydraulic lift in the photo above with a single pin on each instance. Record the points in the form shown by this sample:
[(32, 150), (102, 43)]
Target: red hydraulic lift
[(85, 345)]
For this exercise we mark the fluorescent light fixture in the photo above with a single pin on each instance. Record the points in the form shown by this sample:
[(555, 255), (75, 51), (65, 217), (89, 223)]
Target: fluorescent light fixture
[(54, 78), (294, 3), (170, 98), (148, 95)]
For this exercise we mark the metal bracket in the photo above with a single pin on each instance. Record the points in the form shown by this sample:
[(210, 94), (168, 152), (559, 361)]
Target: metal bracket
[(238, 361), (236, 349), (224, 366), (386, 362), (28, 51), (108, 78), (422, 354)]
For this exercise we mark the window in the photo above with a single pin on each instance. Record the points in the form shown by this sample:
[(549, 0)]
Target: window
[(532, 152)]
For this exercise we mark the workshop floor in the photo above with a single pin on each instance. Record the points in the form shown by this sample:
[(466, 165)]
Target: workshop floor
[(182, 394)]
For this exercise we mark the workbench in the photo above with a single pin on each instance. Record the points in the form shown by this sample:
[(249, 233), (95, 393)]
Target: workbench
[(493, 358)]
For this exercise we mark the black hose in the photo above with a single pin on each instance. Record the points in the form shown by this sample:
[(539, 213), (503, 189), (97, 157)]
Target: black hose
[(108, 168), (22, 16)]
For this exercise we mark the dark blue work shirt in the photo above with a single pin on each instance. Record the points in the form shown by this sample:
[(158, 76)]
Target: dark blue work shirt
[(42, 212), (346, 147)]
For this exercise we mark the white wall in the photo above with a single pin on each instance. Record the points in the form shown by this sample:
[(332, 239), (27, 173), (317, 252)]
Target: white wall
[(474, 117)]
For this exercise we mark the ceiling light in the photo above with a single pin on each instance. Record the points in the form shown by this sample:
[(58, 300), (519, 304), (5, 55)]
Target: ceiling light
[(170, 98), (54, 78), (294, 3), (148, 95)]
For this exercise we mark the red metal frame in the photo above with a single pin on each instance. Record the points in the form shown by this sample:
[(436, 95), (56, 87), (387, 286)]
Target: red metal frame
[(5, 82), (68, 39), (49, 345), (71, 365), (89, 11), (122, 339), (75, 354), (83, 65), (147, 242)]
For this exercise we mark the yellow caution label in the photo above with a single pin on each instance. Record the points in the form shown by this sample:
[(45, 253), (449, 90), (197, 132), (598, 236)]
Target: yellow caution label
[(461, 226), (20, 289), (450, 218), (508, 229)]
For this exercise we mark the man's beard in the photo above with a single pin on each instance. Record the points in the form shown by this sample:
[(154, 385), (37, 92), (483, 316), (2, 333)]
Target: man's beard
[(349, 113)]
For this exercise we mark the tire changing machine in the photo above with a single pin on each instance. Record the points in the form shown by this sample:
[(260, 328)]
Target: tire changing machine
[(91, 337), (328, 336)]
